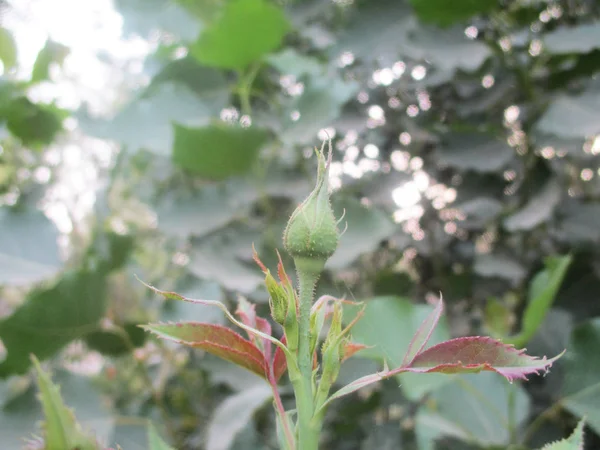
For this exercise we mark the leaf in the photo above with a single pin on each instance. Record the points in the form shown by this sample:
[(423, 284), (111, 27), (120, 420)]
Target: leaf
[(154, 113), (318, 106), (582, 38), (387, 327), (473, 408), (475, 151), (572, 116), (199, 213), (61, 430), (477, 353), (573, 442), (423, 333), (442, 13), (290, 62), (581, 390), (35, 124), (216, 339), (580, 224), (542, 292), (143, 17), (245, 31), (367, 228), (232, 415), (217, 151), (538, 209), (115, 343), (52, 53), (51, 318), (221, 258), (479, 211), (28, 247), (499, 266), (155, 442), (8, 49)]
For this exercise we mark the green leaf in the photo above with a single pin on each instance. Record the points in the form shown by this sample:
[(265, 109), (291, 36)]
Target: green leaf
[(28, 247), (143, 17), (52, 53), (245, 31), (442, 12), (116, 343), (8, 49), (473, 408), (232, 415), (573, 442), (155, 442), (582, 38), (51, 318), (147, 122), (580, 224), (499, 266), (318, 107), (367, 228), (539, 208), (581, 389), (475, 151), (290, 62), (219, 150), (61, 430), (35, 124), (388, 324), (542, 292), (572, 116), (221, 258)]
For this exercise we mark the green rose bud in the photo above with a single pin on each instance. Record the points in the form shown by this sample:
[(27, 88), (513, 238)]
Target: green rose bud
[(278, 299), (311, 235)]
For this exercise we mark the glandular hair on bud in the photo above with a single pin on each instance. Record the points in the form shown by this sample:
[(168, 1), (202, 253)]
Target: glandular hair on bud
[(311, 234), (278, 299)]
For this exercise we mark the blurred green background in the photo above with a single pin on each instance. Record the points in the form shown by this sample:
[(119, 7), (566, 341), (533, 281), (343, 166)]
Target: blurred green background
[(162, 138)]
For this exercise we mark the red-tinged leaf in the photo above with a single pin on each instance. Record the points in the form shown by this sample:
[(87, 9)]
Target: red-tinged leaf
[(283, 277), (351, 348), (216, 339), (258, 261), (476, 353), (423, 333), (246, 311), (355, 386), (279, 362)]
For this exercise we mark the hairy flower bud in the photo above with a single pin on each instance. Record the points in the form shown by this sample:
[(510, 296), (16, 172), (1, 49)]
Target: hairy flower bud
[(311, 235), (278, 299)]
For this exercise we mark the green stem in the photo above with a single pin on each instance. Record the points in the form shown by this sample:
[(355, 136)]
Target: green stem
[(308, 436)]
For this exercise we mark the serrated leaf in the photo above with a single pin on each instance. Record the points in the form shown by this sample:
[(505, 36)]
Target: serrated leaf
[(423, 333), (232, 415), (538, 210), (573, 442), (8, 49), (443, 13), (155, 442), (581, 389), (51, 318), (542, 292), (61, 430), (28, 247), (582, 38), (51, 53), (217, 151), (244, 32), (479, 353), (216, 339)]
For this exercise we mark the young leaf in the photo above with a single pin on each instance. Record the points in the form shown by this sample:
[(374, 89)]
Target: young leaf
[(61, 430), (279, 362), (542, 291), (155, 442), (477, 353), (423, 334), (573, 442), (216, 339)]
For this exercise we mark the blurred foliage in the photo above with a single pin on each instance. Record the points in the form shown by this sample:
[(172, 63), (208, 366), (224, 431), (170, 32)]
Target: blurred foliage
[(467, 155)]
